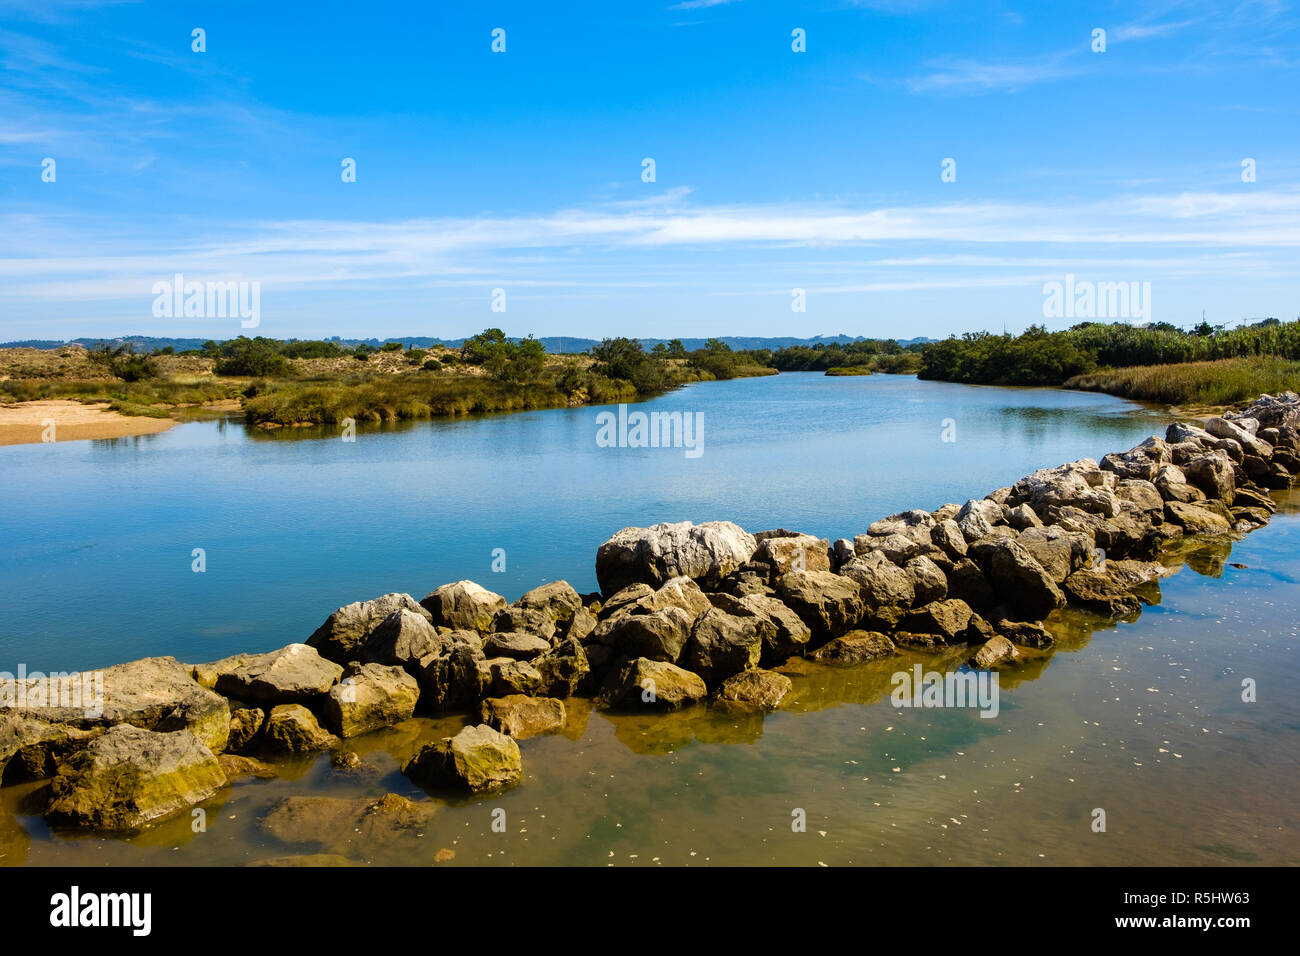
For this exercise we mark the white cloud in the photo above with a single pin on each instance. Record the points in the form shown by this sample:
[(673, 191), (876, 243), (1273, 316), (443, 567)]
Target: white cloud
[(691, 246)]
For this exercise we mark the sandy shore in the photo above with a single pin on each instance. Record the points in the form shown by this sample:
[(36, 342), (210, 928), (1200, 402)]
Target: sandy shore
[(26, 422)]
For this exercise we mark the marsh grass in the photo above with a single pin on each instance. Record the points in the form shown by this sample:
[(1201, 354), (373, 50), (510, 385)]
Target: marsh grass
[(1222, 382), (400, 398)]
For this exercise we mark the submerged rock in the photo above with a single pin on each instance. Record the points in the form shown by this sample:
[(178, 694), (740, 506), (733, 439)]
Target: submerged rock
[(643, 684), (522, 717), (996, 650), (343, 825), (128, 778), (855, 647), (753, 689)]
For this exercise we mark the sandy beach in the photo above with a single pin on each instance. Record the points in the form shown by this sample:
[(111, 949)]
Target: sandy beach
[(26, 422)]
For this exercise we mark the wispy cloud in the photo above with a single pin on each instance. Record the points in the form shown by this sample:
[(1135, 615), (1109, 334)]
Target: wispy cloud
[(71, 260), (701, 4), (986, 76)]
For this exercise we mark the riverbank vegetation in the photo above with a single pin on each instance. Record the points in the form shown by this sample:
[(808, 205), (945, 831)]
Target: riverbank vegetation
[(282, 383), (852, 358), (1160, 362)]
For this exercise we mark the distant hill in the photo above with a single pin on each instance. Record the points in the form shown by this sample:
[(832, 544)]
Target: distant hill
[(555, 344)]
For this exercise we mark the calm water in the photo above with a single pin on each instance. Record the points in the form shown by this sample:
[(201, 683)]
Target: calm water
[(98, 536), (1143, 720)]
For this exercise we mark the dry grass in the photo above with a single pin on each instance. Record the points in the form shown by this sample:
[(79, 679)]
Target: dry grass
[(1225, 382)]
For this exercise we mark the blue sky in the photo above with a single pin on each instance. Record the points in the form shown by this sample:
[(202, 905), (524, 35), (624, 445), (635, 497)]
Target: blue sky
[(522, 170)]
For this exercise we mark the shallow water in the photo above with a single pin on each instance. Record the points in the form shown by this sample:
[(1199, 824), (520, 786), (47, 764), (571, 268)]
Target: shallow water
[(1143, 720)]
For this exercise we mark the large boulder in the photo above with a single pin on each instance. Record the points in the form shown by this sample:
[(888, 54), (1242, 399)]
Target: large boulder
[(789, 634), (1057, 550), (787, 551), (643, 684), (520, 646), (129, 777), (527, 620), (293, 729), (522, 717), (557, 599), (1097, 592), (155, 693), (977, 518), (402, 638), (477, 759), (564, 668), (706, 552), (882, 584), (896, 548), (660, 635), (506, 676), (929, 583), (463, 604), (1171, 481), (369, 697), (723, 644), (1143, 495), (947, 536), (31, 748), (452, 679), (830, 604), (1197, 518), (1079, 484), (1250, 443), (1213, 474), (1020, 581), (345, 631), (295, 674), (947, 620), (678, 592)]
